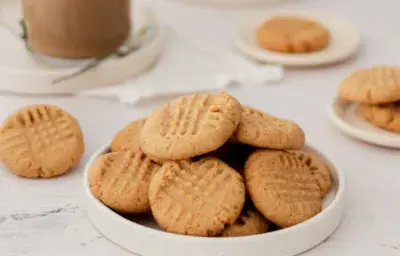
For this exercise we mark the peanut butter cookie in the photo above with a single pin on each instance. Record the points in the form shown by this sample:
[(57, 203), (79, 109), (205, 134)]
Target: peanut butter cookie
[(287, 187), (129, 137), (249, 223), (376, 85), (196, 198), (41, 141), (121, 181), (292, 35), (385, 116), (189, 126), (259, 129)]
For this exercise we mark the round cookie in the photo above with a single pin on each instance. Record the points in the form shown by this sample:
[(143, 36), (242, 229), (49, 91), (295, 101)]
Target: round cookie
[(292, 35), (196, 198), (41, 141), (129, 137), (317, 167), (189, 126), (259, 129), (249, 223), (385, 116), (121, 181), (287, 187), (376, 85)]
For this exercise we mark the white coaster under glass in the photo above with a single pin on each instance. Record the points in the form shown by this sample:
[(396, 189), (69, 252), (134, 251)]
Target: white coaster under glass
[(22, 71)]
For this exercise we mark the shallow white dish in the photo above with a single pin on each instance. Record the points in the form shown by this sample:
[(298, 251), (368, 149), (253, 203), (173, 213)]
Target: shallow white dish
[(344, 115), (142, 236), (344, 42), (24, 72)]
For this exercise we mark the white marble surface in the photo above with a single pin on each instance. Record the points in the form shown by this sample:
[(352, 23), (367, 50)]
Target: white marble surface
[(47, 217)]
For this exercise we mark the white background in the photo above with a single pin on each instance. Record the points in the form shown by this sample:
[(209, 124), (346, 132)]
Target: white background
[(47, 217)]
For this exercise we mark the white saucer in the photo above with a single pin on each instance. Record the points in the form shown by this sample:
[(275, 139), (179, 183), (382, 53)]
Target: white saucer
[(143, 237), (344, 116), (344, 42), (24, 72)]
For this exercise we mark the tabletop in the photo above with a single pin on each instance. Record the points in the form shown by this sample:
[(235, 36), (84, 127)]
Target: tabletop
[(47, 217)]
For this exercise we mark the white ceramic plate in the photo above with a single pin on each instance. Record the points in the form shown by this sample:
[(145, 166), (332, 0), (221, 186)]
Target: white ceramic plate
[(142, 236), (344, 116), (344, 42), (24, 72)]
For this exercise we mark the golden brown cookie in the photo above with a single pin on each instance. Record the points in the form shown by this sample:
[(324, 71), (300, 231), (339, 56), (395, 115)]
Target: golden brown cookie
[(385, 116), (41, 141), (259, 129), (129, 137), (191, 125), (375, 85), (121, 181), (196, 198), (287, 187), (292, 35), (249, 223)]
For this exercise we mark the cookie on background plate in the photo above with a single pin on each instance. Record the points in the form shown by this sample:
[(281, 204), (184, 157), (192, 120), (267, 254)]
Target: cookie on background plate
[(260, 129), (129, 137), (292, 35), (196, 198), (41, 141), (190, 125), (385, 116), (249, 223), (375, 85), (121, 181), (287, 187)]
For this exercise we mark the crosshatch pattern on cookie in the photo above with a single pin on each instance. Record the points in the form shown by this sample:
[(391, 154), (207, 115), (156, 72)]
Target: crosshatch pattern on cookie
[(257, 120), (42, 126), (15, 141), (286, 187), (190, 125), (35, 133), (191, 114), (197, 198), (287, 184), (317, 169), (376, 85), (263, 130), (121, 180)]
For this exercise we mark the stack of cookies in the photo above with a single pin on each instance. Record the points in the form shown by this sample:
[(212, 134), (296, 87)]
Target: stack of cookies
[(204, 165), (377, 91)]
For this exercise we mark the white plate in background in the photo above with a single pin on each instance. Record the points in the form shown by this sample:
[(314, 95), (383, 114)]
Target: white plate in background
[(344, 42), (142, 235), (344, 115), (24, 72)]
